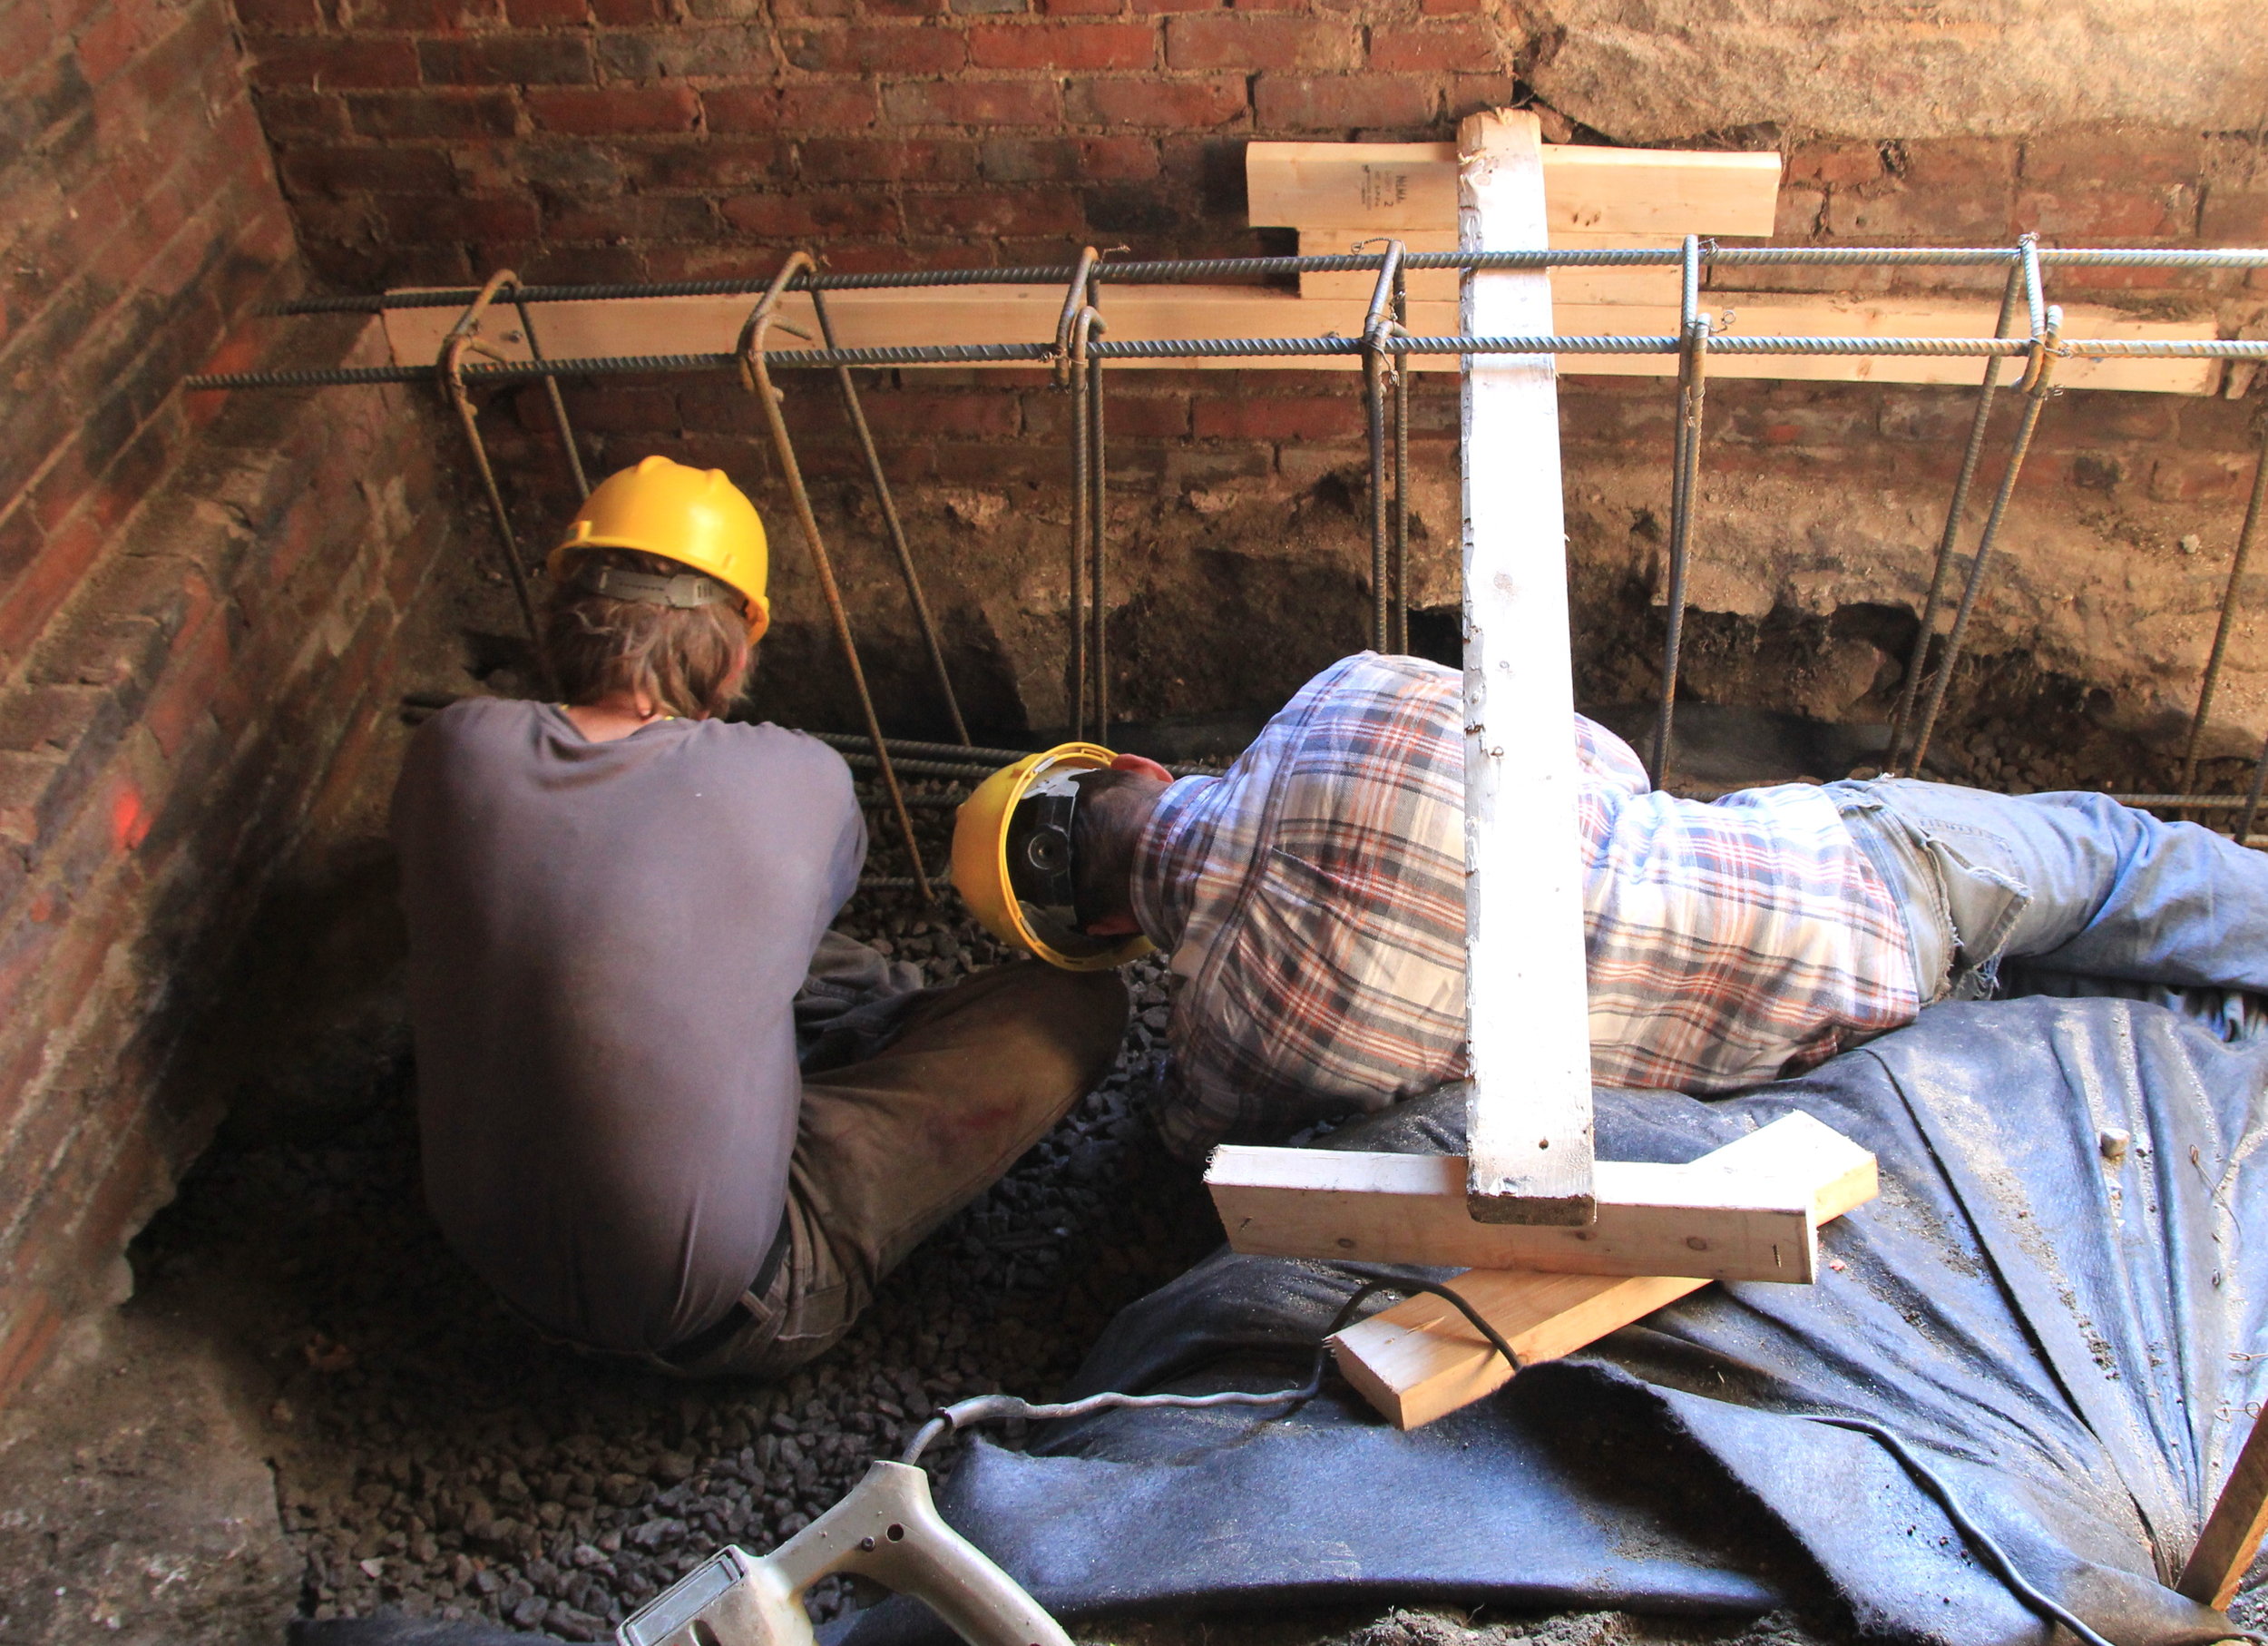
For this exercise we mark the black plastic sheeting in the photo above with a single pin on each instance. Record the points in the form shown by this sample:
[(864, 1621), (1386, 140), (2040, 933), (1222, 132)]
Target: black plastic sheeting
[(2072, 1343)]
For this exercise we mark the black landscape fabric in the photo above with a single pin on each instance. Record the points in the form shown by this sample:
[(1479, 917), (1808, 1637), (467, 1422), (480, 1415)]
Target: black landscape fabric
[(2069, 1340)]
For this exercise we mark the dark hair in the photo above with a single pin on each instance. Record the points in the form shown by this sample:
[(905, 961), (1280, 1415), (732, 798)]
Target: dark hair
[(1102, 845), (690, 661)]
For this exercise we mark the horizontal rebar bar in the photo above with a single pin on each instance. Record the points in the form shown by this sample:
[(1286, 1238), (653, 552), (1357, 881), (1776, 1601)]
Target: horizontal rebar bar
[(1179, 348), (856, 741), (1182, 268)]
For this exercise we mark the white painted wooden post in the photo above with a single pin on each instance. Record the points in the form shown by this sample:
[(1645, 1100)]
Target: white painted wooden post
[(1530, 1113)]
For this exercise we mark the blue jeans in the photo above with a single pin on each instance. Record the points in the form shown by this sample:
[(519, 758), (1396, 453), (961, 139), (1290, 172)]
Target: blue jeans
[(2066, 893)]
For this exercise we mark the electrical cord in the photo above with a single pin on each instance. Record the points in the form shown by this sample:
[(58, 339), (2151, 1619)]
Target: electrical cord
[(1979, 1538), (1002, 1409)]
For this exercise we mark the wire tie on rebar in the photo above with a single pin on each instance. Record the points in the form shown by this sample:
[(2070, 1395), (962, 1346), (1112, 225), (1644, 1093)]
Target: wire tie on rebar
[(1075, 298)]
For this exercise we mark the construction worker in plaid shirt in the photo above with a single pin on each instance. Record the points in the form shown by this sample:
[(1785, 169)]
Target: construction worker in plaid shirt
[(1313, 901)]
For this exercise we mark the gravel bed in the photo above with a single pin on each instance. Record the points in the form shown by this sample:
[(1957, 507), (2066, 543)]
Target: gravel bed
[(435, 1457)]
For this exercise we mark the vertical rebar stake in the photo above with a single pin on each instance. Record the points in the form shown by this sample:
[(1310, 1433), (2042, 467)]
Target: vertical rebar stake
[(2244, 538), (558, 400), (758, 379), (891, 525), (1098, 537), (1685, 458), (1376, 323), (1910, 689), (449, 369), (2037, 386), (1401, 636), (1070, 375)]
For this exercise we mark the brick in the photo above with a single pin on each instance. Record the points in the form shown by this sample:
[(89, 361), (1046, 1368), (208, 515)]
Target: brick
[(434, 114), (719, 162), (2233, 216), (681, 54), (957, 413), (1835, 164), (1298, 103), (986, 102), (1173, 105), (1151, 7), (2109, 213), (1955, 217), (819, 212), (367, 171), (290, 116), (1075, 8), (1068, 160), (184, 694), (418, 17), (1024, 212), (547, 13), (1289, 417), (506, 60), (830, 109), (615, 111), (1979, 163), (1439, 49), (430, 220), (629, 13), (113, 37), (359, 64), (1085, 47), (631, 217), (1230, 40), (2105, 155), (864, 159), (903, 49)]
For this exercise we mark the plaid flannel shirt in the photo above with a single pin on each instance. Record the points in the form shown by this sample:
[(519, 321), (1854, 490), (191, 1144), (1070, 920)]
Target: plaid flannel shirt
[(1313, 901)]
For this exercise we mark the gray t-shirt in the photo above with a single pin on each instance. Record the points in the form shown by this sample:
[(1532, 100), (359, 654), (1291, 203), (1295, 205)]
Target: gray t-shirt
[(605, 943)]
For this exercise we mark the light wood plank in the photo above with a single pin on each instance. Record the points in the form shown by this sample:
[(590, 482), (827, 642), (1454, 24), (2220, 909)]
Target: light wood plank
[(1745, 1215), (1403, 186), (1422, 1359), (1027, 313), (1527, 1007), (2233, 1530), (1650, 284)]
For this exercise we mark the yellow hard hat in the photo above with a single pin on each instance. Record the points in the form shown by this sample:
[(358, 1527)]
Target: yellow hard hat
[(694, 516), (1004, 818)]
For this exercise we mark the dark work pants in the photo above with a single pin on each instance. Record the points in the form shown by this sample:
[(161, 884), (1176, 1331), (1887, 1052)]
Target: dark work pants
[(889, 1147)]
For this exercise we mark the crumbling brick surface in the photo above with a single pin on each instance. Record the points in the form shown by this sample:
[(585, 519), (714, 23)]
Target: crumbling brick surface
[(193, 598)]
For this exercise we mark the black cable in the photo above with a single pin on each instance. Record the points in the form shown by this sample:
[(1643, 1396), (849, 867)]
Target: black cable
[(1979, 1538), (1000, 1409)]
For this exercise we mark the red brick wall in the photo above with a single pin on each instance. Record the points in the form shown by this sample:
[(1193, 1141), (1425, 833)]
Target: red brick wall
[(615, 138), (194, 605)]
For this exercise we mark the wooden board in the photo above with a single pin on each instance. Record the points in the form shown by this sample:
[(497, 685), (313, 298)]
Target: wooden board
[(1650, 284), (1422, 1359), (2233, 1530), (1414, 185), (1528, 1124), (1411, 1209), (1027, 313)]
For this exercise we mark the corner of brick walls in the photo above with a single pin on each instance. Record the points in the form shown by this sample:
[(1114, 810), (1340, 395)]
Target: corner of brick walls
[(196, 598)]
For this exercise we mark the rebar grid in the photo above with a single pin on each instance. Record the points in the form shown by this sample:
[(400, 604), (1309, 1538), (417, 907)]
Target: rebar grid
[(1080, 352)]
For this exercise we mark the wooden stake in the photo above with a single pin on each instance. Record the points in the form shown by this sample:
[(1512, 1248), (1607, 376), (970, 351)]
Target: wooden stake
[(2233, 1531), (1528, 1119)]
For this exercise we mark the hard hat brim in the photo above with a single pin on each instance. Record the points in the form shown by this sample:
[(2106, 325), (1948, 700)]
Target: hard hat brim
[(980, 858)]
